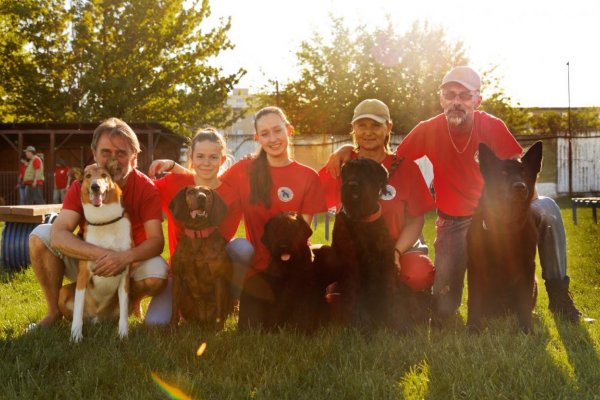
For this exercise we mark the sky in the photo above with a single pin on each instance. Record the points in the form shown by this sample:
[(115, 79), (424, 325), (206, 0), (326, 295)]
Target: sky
[(530, 41)]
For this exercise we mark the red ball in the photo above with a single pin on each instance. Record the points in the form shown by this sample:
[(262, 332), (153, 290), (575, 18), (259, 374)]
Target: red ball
[(417, 270)]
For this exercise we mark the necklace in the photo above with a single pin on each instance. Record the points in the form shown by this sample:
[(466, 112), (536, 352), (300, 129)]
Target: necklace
[(454, 144)]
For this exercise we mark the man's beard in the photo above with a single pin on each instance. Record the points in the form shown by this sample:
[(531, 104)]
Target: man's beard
[(455, 118)]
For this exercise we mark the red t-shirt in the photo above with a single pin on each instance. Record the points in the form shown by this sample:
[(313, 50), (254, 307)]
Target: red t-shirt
[(22, 168), (140, 199), (171, 184), (61, 176), (407, 193), (296, 188), (457, 179)]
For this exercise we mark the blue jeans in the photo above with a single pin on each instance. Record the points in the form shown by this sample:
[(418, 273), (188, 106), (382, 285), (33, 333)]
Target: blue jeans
[(34, 195), (451, 253)]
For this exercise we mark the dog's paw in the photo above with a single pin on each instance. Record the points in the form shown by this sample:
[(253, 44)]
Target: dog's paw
[(123, 329), (76, 333)]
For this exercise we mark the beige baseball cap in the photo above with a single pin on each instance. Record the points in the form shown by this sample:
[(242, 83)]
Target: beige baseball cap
[(464, 75), (29, 148), (372, 108)]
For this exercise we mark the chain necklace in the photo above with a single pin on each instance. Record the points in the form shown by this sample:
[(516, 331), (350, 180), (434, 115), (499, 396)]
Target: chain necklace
[(454, 144)]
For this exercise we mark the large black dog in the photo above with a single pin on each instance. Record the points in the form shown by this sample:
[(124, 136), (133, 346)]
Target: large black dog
[(361, 257), (502, 240), (288, 293)]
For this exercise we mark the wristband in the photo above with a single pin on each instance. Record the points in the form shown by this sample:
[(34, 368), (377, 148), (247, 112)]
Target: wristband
[(171, 167)]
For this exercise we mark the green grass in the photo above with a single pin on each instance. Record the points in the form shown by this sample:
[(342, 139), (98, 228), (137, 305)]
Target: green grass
[(559, 361)]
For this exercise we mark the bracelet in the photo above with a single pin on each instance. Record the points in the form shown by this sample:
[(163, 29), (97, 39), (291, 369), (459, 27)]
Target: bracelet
[(171, 167), (398, 251)]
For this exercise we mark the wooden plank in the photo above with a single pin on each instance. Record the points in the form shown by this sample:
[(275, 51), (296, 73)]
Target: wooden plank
[(27, 219), (37, 209)]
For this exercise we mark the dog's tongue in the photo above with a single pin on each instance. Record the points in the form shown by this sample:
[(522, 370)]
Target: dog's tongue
[(285, 257), (96, 199)]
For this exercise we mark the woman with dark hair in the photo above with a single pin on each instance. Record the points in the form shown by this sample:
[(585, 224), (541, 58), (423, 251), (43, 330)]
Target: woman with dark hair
[(270, 183)]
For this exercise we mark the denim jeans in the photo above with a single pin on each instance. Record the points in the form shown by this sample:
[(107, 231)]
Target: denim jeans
[(450, 264), (552, 241)]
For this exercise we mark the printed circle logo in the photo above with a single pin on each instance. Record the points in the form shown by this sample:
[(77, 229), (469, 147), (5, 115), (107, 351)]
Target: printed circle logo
[(476, 157), (285, 194), (389, 194)]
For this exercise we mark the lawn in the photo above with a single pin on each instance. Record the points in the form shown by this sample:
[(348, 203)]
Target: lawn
[(559, 361)]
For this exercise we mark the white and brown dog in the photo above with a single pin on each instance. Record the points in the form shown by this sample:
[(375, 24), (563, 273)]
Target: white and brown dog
[(107, 226)]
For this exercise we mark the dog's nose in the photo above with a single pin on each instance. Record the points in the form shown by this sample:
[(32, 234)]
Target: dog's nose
[(520, 187), (95, 187)]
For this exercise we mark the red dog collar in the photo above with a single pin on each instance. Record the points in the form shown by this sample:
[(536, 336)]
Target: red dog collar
[(202, 233)]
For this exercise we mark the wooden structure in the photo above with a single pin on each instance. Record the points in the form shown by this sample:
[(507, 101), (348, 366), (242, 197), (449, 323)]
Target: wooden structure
[(71, 142), (590, 202)]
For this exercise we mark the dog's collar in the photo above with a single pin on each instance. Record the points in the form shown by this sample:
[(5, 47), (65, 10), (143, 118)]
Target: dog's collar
[(201, 233), (373, 217), (112, 221)]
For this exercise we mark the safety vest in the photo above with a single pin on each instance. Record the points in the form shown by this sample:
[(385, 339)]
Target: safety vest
[(30, 171)]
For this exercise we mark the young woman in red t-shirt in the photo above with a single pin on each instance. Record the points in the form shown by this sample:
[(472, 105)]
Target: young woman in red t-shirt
[(207, 154)]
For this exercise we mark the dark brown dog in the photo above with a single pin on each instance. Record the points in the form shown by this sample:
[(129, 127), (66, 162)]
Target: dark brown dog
[(289, 292), (361, 258), (502, 240), (201, 268)]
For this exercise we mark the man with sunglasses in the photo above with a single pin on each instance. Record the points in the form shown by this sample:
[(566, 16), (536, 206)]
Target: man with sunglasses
[(450, 141)]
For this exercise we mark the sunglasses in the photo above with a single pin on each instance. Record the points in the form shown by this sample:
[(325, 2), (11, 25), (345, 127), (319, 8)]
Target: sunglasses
[(464, 96)]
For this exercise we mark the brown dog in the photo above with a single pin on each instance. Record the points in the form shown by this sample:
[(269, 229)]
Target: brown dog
[(201, 268), (502, 239)]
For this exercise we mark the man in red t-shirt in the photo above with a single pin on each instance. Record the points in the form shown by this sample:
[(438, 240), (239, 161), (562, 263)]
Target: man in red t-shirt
[(61, 175), (450, 141), (55, 249)]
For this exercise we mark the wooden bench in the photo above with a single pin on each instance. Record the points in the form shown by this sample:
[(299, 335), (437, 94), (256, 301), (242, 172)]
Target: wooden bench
[(19, 222), (590, 202)]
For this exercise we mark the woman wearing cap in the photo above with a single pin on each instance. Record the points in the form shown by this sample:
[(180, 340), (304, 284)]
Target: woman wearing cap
[(407, 198)]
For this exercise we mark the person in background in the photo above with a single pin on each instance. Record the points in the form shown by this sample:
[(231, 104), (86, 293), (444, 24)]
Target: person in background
[(61, 171), (23, 161), (34, 177)]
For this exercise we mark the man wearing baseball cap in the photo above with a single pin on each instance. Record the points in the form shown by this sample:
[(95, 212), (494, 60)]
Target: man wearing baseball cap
[(34, 177), (450, 141)]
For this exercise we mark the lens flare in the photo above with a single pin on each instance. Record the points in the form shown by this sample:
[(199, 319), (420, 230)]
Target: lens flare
[(171, 391), (201, 349)]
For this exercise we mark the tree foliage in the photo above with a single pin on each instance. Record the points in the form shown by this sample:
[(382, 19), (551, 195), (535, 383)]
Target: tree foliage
[(351, 64), (85, 60)]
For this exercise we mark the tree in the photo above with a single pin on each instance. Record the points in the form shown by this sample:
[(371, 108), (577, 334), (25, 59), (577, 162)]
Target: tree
[(355, 63), (140, 60)]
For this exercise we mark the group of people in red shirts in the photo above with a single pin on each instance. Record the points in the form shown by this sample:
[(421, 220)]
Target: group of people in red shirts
[(271, 181)]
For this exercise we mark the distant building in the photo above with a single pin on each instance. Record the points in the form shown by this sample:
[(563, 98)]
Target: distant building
[(240, 135)]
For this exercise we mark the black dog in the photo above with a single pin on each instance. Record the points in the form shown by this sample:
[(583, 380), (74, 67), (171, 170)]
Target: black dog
[(288, 293), (502, 240), (361, 258)]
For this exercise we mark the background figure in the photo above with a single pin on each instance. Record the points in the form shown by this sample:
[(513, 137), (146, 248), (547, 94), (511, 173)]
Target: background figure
[(61, 171), (20, 182), (34, 177)]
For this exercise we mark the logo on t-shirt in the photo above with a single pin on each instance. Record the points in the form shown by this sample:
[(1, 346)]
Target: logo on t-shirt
[(389, 193), (285, 194), (476, 156)]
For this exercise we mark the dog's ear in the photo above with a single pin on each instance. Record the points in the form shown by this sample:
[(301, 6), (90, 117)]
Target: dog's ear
[(304, 226), (178, 205), (486, 159), (218, 209), (268, 228), (532, 159)]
